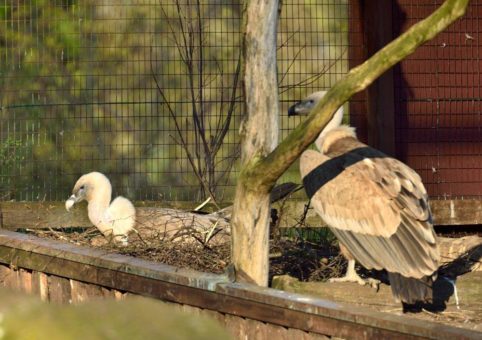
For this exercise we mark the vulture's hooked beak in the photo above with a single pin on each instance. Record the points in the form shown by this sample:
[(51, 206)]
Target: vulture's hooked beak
[(301, 108), (75, 198)]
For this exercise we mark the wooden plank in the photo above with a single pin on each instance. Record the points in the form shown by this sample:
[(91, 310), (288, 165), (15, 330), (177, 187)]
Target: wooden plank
[(234, 325), (301, 335), (81, 292), (150, 221), (273, 331), (44, 286), (5, 272), (25, 281), (118, 295), (40, 286), (42, 215), (16, 215), (169, 293), (219, 317), (196, 311), (10, 278), (446, 212), (54, 215), (457, 212), (213, 292), (59, 289), (35, 283), (331, 318)]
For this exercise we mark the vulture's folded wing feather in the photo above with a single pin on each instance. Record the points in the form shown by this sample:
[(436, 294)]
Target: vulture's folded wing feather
[(348, 199)]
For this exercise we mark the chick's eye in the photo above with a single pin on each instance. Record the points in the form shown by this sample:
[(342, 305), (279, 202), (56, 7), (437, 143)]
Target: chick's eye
[(82, 187), (311, 101)]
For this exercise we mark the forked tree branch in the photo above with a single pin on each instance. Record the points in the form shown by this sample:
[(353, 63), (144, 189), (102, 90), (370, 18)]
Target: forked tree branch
[(261, 172)]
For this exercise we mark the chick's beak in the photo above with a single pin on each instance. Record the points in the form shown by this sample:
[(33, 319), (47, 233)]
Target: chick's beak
[(70, 202), (75, 198)]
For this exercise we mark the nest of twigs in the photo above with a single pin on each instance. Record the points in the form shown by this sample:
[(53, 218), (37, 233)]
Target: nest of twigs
[(307, 261)]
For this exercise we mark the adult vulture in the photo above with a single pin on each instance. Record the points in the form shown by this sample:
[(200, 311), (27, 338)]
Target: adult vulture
[(375, 205)]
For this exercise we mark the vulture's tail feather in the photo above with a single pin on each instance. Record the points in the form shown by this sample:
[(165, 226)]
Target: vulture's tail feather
[(410, 290)]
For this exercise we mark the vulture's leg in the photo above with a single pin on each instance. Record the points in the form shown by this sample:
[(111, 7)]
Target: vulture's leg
[(456, 295), (351, 274)]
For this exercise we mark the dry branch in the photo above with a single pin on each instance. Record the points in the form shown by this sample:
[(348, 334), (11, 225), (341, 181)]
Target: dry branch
[(209, 127), (181, 226), (468, 249)]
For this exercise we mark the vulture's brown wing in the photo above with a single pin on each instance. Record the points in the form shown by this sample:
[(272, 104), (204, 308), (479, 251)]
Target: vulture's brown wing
[(376, 206)]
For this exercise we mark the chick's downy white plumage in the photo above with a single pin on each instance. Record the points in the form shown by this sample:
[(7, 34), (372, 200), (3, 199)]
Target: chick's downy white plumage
[(115, 219)]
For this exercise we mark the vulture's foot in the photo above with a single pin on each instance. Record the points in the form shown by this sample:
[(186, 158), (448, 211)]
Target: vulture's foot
[(354, 277), (374, 283), (121, 240)]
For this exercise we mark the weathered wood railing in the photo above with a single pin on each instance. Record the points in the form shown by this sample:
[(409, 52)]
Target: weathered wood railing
[(15, 215), (67, 273)]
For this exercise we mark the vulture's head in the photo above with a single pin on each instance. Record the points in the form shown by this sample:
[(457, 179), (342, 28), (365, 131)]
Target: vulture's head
[(93, 186), (304, 107)]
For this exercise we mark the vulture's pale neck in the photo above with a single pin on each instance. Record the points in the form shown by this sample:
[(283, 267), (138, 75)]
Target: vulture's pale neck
[(334, 123), (336, 134), (99, 201)]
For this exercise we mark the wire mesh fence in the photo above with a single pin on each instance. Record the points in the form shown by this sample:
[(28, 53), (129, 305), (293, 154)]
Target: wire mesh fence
[(438, 103), (147, 92)]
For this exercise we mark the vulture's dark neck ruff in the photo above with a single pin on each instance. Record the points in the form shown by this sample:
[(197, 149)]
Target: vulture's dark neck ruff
[(330, 169)]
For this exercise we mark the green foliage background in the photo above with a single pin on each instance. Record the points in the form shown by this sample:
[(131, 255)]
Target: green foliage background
[(77, 91)]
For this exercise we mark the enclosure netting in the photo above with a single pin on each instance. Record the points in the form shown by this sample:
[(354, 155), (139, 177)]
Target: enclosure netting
[(148, 93), (144, 91), (438, 102)]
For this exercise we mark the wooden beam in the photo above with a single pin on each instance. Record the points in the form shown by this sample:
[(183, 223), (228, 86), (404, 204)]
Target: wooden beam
[(42, 215), (377, 30), (151, 222), (31, 215), (457, 212)]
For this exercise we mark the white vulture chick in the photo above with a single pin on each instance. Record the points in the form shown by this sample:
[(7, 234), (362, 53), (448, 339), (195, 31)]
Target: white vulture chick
[(114, 219), (375, 205)]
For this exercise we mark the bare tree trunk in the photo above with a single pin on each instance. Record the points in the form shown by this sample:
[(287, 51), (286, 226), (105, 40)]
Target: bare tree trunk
[(261, 167), (259, 136)]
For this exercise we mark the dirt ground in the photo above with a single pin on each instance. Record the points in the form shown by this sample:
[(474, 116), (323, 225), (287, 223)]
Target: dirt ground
[(301, 266), (468, 314)]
